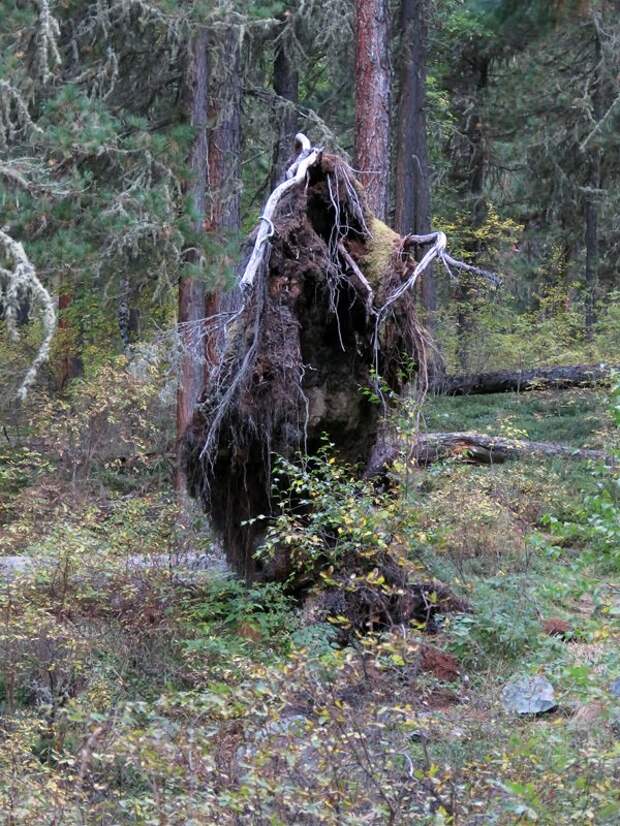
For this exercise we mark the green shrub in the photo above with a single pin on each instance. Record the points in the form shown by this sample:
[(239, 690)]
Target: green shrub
[(503, 624)]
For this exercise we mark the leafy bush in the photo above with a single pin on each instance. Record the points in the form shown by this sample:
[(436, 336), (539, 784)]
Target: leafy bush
[(111, 420), (325, 515), (228, 620)]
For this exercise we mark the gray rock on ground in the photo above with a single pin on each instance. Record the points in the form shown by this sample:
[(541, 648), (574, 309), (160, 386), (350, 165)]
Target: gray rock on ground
[(529, 695)]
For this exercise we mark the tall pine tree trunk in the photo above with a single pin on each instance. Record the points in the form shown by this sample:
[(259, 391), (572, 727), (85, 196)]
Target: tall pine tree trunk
[(413, 185), (372, 101), (224, 168), (286, 87), (591, 237), (224, 214), (476, 169), (191, 307)]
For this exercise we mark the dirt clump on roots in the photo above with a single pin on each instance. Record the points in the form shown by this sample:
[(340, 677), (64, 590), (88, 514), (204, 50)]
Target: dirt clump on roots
[(357, 604), (441, 664), (296, 354)]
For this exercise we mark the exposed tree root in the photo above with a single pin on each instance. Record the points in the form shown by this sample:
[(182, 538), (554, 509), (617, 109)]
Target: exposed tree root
[(358, 604), (325, 321)]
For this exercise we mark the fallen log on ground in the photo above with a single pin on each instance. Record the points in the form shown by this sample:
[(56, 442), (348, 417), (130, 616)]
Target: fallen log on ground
[(477, 447), (541, 378)]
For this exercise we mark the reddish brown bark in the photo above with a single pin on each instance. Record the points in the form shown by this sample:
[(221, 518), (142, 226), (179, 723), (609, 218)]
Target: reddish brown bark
[(225, 136), (191, 289), (372, 101), (70, 361), (224, 167)]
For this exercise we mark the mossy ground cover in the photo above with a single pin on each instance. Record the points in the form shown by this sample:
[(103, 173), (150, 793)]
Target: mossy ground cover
[(577, 417), (160, 694)]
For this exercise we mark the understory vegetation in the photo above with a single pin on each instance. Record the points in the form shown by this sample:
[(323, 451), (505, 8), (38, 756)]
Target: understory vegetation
[(138, 687)]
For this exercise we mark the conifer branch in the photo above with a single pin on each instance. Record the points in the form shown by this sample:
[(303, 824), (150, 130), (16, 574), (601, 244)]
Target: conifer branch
[(47, 52), (14, 114)]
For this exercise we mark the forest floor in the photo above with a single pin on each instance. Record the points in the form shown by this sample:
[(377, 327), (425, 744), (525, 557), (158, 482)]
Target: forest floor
[(165, 693)]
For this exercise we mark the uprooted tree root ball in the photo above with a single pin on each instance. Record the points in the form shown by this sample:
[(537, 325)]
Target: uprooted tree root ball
[(321, 328), (300, 354)]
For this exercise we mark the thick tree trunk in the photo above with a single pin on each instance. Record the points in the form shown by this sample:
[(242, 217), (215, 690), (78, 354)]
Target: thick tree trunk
[(591, 200), (473, 161), (413, 185), (224, 168), (372, 102), (542, 378), (478, 447), (286, 87), (191, 305)]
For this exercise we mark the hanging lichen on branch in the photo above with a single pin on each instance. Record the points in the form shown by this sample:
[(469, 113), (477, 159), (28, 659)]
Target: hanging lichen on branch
[(19, 283)]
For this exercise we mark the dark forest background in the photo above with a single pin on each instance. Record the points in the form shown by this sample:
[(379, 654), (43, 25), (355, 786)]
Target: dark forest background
[(500, 128)]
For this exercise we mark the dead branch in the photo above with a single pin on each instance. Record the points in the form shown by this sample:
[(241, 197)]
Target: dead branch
[(15, 284)]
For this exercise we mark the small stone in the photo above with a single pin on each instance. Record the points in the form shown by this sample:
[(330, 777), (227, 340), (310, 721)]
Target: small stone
[(615, 687), (529, 695)]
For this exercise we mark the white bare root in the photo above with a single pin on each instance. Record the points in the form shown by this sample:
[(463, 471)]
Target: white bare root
[(439, 251), (436, 251), (17, 283), (359, 275), (299, 170), (303, 141)]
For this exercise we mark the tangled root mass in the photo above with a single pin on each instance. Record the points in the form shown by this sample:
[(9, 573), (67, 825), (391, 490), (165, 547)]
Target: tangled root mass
[(298, 357)]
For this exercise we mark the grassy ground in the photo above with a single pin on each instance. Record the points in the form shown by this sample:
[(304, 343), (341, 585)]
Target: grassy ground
[(575, 417), (159, 695)]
